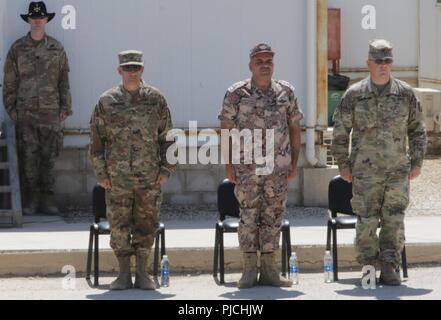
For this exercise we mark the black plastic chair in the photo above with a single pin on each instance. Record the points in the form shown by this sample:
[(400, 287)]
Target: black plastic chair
[(101, 227), (339, 202), (228, 208)]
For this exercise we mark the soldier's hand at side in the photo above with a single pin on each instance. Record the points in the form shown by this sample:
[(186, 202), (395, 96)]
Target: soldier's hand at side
[(292, 172), (13, 116), (63, 116), (414, 173), (105, 184), (231, 173), (161, 180), (346, 175)]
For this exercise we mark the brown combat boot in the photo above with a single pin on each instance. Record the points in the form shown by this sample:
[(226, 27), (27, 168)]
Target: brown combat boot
[(124, 280), (269, 272), (249, 273), (142, 280), (389, 275), (47, 206)]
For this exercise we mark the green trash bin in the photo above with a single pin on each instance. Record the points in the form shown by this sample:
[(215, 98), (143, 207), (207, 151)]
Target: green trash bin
[(334, 98), (337, 85)]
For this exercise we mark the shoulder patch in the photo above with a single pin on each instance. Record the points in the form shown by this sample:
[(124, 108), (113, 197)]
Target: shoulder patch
[(286, 84), (18, 43), (110, 95), (238, 85), (404, 87), (357, 88), (148, 89)]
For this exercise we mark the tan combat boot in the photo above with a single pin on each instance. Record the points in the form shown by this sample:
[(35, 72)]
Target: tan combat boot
[(269, 272), (47, 206), (249, 273), (389, 275), (142, 280), (124, 280)]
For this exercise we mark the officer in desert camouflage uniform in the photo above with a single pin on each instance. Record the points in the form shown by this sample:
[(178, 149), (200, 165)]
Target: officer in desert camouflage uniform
[(128, 151), (262, 103), (37, 96), (385, 118)]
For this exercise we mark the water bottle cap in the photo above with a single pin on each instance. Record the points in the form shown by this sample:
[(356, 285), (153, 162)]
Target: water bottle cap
[(328, 252), (294, 254), (165, 256)]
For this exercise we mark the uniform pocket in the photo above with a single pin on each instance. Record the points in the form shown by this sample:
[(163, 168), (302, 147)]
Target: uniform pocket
[(247, 113), (363, 116), (147, 123), (59, 142), (116, 124), (277, 118), (397, 110)]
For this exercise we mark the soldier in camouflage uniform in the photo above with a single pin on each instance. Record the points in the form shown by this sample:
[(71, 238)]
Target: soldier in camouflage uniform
[(37, 97), (262, 103), (128, 151), (385, 118)]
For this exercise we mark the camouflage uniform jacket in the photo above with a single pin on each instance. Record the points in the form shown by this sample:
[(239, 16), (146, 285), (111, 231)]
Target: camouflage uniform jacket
[(247, 107), (36, 81), (128, 135), (383, 126)]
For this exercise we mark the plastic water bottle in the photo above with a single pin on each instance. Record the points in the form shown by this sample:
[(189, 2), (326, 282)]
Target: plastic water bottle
[(165, 272), (294, 268), (328, 267)]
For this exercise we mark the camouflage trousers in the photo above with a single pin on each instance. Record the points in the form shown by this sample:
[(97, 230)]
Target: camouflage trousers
[(133, 215), (380, 201), (38, 146), (262, 201)]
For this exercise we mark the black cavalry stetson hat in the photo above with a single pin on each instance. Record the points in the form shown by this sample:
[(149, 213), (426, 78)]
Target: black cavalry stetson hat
[(37, 10)]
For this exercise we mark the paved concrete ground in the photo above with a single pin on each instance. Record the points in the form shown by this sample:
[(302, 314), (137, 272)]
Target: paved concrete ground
[(423, 283)]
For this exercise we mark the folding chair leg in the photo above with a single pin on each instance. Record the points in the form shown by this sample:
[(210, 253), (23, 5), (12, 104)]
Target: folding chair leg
[(328, 236), (404, 261), (284, 249), (96, 258), (156, 255), (163, 252), (288, 245), (216, 252), (334, 252), (89, 254), (222, 258)]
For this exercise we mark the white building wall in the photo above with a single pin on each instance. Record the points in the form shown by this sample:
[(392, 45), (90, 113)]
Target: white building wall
[(194, 49), (3, 50), (396, 20), (430, 59)]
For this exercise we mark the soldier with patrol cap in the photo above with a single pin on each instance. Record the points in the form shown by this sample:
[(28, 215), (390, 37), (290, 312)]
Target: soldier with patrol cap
[(128, 151), (262, 103), (388, 147), (37, 97)]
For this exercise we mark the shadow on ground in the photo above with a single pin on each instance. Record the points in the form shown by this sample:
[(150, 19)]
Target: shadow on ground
[(381, 292), (259, 292)]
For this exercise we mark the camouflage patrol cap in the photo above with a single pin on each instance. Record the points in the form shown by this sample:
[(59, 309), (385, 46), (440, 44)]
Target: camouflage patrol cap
[(130, 58), (380, 49), (261, 48)]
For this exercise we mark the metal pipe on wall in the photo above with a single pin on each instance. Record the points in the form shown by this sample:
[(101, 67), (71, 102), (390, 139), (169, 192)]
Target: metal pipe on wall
[(317, 74), (311, 76), (322, 63)]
